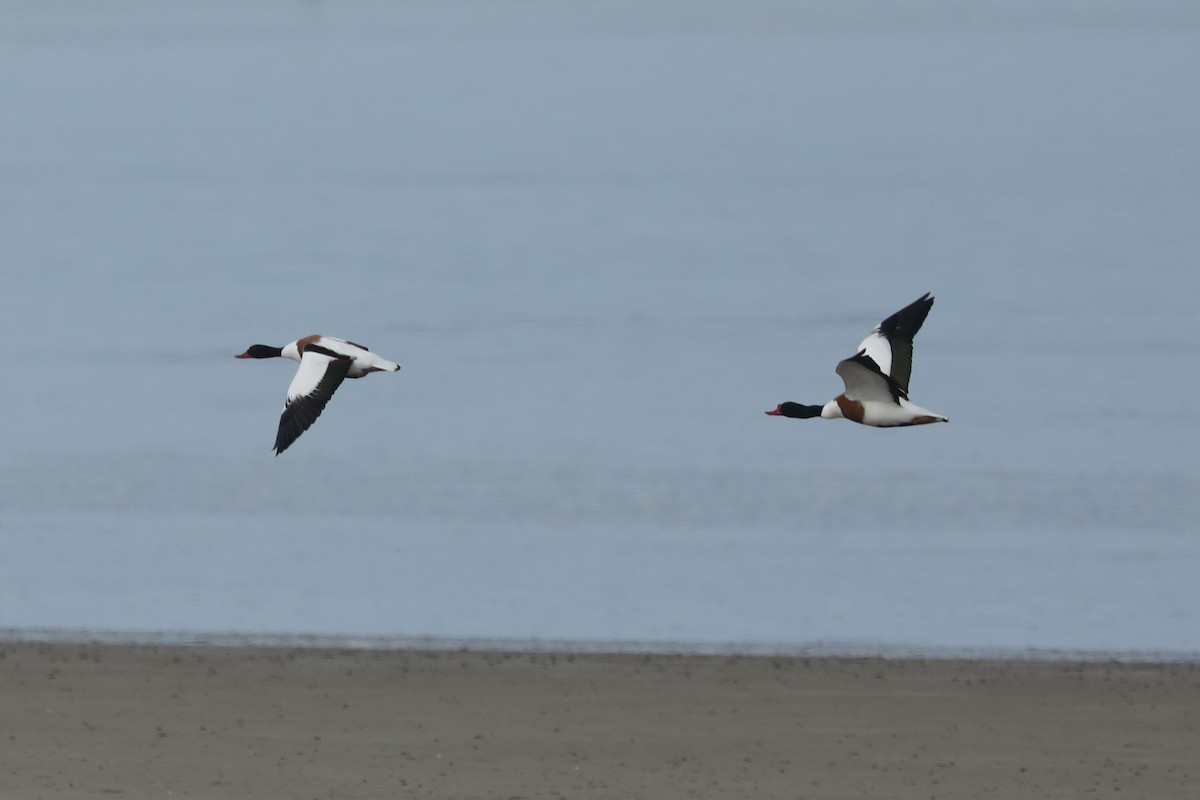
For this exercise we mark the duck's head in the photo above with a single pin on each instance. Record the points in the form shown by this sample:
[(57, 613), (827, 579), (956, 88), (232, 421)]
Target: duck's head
[(262, 351), (796, 411)]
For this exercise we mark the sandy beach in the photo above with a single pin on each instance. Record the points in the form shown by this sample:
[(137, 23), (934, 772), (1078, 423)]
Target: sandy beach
[(87, 721)]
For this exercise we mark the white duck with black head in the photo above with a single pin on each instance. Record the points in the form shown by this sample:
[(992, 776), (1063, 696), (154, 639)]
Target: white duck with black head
[(876, 377), (325, 362)]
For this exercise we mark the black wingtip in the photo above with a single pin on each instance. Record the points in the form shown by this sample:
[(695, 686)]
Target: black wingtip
[(906, 322), (281, 445)]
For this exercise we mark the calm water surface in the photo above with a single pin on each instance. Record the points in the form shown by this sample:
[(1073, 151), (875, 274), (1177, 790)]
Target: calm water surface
[(602, 241)]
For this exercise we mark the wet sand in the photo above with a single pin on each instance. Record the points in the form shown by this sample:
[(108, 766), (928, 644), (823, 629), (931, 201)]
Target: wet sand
[(88, 721)]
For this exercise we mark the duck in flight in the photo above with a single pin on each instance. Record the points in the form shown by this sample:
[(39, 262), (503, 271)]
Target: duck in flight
[(876, 377), (324, 363)]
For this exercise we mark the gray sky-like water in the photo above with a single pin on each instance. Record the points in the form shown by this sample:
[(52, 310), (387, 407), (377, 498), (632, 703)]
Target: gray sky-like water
[(602, 241)]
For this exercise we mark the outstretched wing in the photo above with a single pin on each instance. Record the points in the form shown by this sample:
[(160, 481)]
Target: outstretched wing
[(890, 345), (321, 373), (866, 382)]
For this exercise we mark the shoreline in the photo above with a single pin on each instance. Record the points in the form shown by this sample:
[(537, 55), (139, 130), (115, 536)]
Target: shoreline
[(81, 720), (819, 649)]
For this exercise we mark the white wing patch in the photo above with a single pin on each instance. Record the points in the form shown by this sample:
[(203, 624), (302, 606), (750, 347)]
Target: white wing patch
[(308, 376), (879, 349), (863, 383)]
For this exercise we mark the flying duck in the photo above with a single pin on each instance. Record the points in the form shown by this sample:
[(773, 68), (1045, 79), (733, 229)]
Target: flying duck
[(876, 377), (324, 363)]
